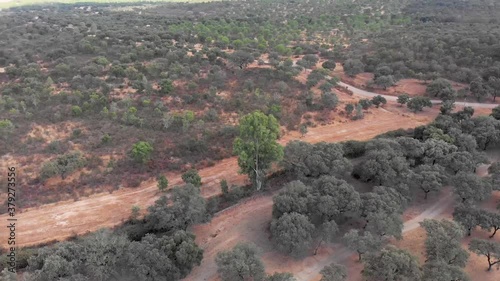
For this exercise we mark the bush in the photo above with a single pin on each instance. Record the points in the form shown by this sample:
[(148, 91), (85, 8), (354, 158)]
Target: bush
[(76, 110), (192, 177)]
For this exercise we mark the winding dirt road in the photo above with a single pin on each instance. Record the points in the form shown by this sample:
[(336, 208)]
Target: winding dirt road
[(364, 93)]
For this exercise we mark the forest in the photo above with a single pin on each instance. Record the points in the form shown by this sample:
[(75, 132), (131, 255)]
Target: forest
[(100, 98)]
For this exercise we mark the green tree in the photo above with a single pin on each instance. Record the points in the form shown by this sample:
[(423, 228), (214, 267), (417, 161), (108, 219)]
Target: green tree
[(241, 59), (489, 221), (166, 86), (162, 183), (63, 165), (441, 271), (329, 64), (192, 177), (292, 233), (329, 100), (384, 81), (489, 249), (183, 208), (403, 99), (392, 264), (362, 244), (440, 88), (470, 187), (495, 113), (256, 145), (428, 178), (141, 152), (334, 272), (352, 67), (378, 100), (349, 108), (240, 264), (447, 107), (443, 242), (467, 216), (168, 257), (418, 103)]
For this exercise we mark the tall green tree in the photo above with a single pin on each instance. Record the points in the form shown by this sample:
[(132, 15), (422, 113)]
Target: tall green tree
[(256, 145)]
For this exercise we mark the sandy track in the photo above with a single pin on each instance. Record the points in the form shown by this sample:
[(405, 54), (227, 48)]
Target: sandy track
[(368, 94), (61, 220)]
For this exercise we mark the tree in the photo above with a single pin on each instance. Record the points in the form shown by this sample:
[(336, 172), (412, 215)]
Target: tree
[(166, 86), (192, 177), (479, 89), (292, 233), (489, 221), (467, 216), (485, 129), (63, 165), (334, 272), (303, 130), (352, 67), (329, 100), (384, 166), (240, 264), (241, 59), (184, 207), (365, 103), (470, 187), (489, 249), (440, 88), (141, 152), (494, 171), (307, 160), (169, 257), (418, 103), (392, 264), (295, 197), (378, 100), (384, 81), (256, 145), (459, 161), (441, 271), (447, 107), (495, 113), (428, 178), (162, 183), (403, 99), (334, 198), (329, 64), (385, 224), (349, 108), (326, 233), (443, 242), (362, 244), (494, 85)]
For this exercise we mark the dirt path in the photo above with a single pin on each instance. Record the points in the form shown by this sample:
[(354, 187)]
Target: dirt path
[(61, 220), (368, 94)]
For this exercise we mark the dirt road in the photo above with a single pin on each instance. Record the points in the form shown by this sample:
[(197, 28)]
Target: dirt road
[(368, 94)]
